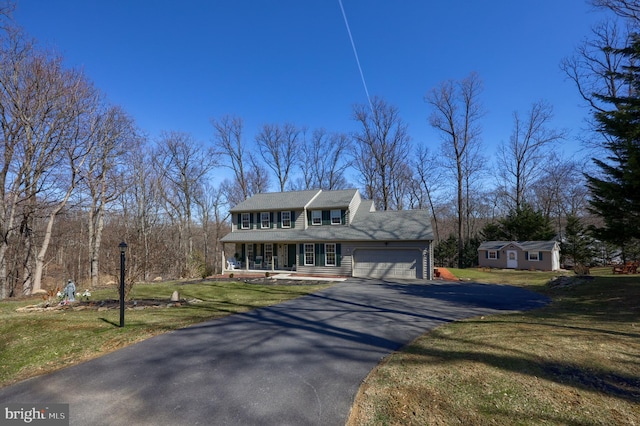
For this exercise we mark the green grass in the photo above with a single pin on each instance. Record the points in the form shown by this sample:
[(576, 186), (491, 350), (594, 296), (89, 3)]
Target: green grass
[(574, 362), (35, 343)]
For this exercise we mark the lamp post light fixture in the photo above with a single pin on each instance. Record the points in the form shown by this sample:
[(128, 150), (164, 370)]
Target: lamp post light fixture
[(123, 248)]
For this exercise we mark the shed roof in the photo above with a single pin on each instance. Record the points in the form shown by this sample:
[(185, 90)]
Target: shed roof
[(524, 245)]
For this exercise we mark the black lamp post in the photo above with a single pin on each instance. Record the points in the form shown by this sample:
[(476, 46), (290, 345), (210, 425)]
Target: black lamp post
[(123, 247)]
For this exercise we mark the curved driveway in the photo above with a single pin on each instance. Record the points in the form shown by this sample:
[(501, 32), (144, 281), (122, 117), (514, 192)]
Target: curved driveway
[(296, 363)]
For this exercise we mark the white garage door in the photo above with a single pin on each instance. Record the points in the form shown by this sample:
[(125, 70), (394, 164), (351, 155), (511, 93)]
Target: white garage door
[(392, 263)]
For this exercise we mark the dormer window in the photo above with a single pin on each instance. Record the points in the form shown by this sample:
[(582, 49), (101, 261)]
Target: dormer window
[(336, 217), (286, 219), (265, 220), (245, 221), (316, 217)]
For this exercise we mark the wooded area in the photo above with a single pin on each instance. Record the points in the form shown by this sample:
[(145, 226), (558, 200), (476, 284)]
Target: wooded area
[(78, 176)]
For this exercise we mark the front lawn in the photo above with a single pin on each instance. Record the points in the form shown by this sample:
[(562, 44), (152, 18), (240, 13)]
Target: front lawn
[(574, 362), (38, 342)]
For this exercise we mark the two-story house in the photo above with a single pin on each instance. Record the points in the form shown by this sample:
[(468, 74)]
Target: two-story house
[(331, 233)]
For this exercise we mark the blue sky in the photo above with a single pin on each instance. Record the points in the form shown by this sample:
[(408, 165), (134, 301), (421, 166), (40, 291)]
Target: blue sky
[(174, 64)]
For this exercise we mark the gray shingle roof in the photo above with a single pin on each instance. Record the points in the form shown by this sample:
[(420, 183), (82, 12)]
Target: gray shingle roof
[(270, 201), (525, 245), (405, 225), (333, 199)]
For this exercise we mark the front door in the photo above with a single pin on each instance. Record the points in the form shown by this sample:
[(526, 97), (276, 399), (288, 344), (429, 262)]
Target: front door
[(512, 259)]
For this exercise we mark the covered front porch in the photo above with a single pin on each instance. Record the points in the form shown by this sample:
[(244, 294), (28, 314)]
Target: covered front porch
[(260, 257)]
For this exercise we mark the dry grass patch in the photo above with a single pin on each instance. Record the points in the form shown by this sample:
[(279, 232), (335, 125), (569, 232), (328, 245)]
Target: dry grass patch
[(575, 362)]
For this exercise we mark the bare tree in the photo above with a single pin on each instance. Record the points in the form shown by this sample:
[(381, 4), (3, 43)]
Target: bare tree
[(595, 63), (142, 202), (258, 177), (104, 173), (211, 209), (561, 191), (381, 151), (521, 160), (428, 177), (628, 9), (279, 148), (15, 53), (228, 139), (324, 160), (183, 165), (456, 114), (46, 111)]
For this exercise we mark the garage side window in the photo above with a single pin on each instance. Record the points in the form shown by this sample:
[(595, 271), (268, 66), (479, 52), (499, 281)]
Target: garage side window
[(309, 255), (493, 255)]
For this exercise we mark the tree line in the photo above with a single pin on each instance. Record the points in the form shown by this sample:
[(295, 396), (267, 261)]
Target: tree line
[(78, 176)]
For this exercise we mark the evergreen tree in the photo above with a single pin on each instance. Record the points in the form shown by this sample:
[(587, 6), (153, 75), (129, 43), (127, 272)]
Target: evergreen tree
[(577, 246), (615, 193), (446, 252), (492, 232), (521, 224)]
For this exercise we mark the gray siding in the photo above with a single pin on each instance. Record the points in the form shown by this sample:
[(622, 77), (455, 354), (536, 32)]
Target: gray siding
[(501, 263), (353, 207)]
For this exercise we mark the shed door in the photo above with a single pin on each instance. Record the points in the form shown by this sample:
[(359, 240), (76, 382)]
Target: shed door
[(512, 259), (387, 263)]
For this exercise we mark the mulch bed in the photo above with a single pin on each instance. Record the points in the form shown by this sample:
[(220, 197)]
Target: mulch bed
[(104, 305)]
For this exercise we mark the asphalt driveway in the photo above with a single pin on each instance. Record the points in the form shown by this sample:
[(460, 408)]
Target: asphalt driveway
[(297, 363)]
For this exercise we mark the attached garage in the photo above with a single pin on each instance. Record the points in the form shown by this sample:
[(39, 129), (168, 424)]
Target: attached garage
[(388, 263)]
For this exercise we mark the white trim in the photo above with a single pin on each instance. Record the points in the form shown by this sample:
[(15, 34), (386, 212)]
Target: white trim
[(512, 259), (268, 253), (335, 254), (333, 216), (262, 221), (313, 254), (316, 214), (249, 251), (242, 215), (282, 218)]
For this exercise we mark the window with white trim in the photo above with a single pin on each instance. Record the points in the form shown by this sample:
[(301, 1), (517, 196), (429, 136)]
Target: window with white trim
[(286, 219), (330, 254), (336, 217), (316, 217), (245, 221), (492, 254), (309, 255), (533, 256), (265, 220), (250, 252), (268, 253)]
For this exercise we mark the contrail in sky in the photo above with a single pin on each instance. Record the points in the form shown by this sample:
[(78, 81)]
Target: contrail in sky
[(355, 52)]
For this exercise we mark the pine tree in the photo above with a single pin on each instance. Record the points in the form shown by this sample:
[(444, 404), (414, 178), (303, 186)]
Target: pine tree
[(521, 224), (577, 245), (615, 193)]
